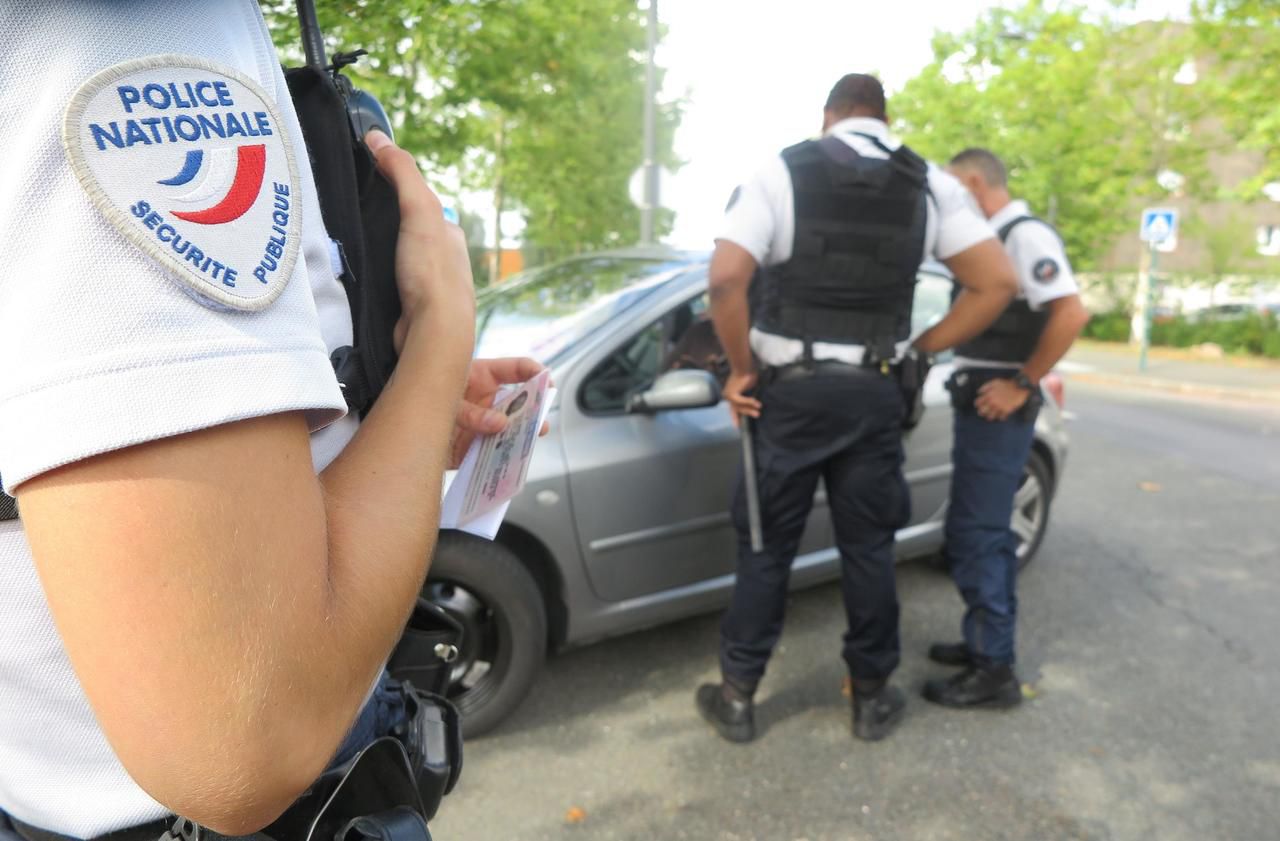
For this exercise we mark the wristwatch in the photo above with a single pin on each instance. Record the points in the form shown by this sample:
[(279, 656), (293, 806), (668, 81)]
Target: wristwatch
[(1023, 382)]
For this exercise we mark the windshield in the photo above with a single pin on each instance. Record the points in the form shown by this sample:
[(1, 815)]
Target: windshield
[(546, 310)]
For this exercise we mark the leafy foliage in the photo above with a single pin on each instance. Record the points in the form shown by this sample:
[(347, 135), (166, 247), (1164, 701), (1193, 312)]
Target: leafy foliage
[(1244, 38), (539, 100), (1084, 112), (1257, 334)]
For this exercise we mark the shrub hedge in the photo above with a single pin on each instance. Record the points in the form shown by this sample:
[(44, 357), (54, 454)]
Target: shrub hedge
[(1257, 334)]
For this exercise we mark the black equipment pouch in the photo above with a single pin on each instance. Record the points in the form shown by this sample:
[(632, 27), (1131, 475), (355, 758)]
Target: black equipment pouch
[(432, 737), (375, 795), (964, 387), (910, 372), (422, 663), (427, 649), (362, 214)]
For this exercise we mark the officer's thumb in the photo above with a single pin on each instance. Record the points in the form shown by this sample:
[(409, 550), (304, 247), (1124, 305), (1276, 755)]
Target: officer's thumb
[(377, 141)]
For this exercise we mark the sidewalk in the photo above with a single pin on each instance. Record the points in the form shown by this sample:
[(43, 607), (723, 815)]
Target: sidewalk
[(1170, 369)]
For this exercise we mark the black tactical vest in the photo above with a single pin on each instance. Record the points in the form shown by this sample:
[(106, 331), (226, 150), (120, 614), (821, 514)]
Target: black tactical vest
[(859, 241), (1016, 332)]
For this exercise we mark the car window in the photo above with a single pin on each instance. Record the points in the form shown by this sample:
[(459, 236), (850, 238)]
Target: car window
[(933, 299), (545, 311), (682, 338)]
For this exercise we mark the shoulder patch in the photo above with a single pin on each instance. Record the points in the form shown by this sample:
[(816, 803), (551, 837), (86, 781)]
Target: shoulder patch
[(1045, 270), (189, 160)]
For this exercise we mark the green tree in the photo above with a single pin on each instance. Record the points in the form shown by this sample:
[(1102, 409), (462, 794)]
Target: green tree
[(538, 101), (1244, 38), (1084, 112)]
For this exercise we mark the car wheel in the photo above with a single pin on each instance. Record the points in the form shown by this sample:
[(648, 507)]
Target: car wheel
[(484, 586), (1031, 507)]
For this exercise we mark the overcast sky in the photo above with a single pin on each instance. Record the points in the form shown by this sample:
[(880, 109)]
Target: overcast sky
[(757, 72)]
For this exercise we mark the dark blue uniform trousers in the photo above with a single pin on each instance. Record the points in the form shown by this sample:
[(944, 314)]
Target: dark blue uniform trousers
[(988, 459), (847, 430)]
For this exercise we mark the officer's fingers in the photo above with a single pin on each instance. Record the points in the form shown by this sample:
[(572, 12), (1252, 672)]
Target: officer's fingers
[(480, 419), (419, 206), (511, 370)]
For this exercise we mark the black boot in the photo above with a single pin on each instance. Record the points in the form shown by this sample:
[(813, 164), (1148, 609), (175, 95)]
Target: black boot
[(977, 686), (950, 654), (877, 709), (729, 710)]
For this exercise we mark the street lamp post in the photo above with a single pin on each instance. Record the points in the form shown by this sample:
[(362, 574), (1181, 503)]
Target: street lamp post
[(650, 134), (1152, 280)]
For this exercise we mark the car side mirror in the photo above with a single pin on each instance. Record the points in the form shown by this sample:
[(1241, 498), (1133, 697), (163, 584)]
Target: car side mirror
[(688, 389)]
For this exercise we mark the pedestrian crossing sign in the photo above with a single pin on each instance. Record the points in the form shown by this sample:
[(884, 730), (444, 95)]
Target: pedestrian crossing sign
[(1158, 225)]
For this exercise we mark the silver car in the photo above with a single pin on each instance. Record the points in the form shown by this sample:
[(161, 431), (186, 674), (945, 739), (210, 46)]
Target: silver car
[(624, 522)]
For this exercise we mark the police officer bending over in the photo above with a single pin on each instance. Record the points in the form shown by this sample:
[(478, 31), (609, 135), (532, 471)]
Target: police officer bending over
[(996, 394), (213, 560), (838, 228)]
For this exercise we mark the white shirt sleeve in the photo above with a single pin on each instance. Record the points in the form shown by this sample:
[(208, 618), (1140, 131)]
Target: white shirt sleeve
[(960, 224), (1044, 274), (105, 348), (760, 216)]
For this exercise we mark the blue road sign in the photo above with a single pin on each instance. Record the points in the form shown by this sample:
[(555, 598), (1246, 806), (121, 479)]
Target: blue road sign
[(1158, 225)]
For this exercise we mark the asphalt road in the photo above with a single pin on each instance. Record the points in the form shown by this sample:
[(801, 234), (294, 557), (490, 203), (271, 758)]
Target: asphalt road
[(1149, 629)]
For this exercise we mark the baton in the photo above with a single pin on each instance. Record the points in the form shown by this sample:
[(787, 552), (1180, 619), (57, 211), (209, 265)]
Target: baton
[(753, 489)]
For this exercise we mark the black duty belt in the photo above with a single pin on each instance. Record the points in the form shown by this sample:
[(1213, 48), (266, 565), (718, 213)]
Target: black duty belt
[(825, 367)]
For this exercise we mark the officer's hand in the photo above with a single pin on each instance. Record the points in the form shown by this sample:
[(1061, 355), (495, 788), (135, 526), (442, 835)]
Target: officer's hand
[(433, 269), (475, 417), (735, 392), (998, 399)]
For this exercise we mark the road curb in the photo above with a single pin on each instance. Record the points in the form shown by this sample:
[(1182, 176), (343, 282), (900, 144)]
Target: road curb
[(1176, 386)]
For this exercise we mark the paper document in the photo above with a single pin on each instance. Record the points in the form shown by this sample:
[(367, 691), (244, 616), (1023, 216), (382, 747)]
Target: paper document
[(493, 471)]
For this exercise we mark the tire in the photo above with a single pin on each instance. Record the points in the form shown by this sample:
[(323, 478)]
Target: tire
[(1030, 513), (485, 587), (1031, 507)]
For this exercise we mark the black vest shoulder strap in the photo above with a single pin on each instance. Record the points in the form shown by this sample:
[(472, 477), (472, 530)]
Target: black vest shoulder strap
[(1008, 227), (902, 155)]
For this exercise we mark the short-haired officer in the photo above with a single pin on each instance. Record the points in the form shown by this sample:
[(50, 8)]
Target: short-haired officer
[(213, 560), (996, 393), (838, 228)]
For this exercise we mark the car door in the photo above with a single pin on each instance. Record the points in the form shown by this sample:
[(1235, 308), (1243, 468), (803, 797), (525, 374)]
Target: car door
[(651, 492), (928, 446)]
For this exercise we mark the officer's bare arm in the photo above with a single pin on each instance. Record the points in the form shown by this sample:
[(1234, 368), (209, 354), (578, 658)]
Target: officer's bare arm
[(225, 609), (732, 268), (989, 282), (1067, 317)]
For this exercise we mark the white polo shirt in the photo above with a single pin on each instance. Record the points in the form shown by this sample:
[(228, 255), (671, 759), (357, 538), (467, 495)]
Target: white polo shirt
[(762, 220), (109, 346), (1044, 273)]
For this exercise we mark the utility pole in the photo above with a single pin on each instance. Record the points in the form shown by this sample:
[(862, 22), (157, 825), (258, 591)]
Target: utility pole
[(650, 134)]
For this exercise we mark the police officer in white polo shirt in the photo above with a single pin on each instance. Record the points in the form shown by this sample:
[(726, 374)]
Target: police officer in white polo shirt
[(837, 229), (996, 394), (212, 561)]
